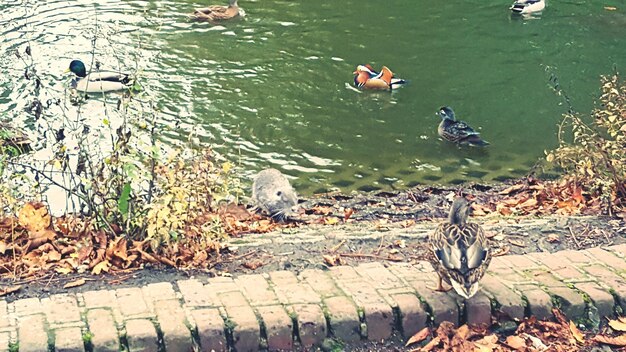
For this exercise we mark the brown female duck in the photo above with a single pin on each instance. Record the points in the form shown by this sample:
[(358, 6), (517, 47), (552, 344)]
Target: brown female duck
[(460, 251), (216, 12)]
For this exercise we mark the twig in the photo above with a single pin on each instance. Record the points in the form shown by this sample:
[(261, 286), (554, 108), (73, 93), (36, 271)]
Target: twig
[(571, 232), (336, 248), (380, 246), (372, 256)]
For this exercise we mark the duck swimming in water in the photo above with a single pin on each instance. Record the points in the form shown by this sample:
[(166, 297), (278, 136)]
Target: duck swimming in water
[(217, 12), (460, 254), (525, 7), (366, 78), (457, 131), (99, 81)]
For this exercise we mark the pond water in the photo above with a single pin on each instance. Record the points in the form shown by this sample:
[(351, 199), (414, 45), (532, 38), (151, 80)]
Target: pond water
[(273, 88)]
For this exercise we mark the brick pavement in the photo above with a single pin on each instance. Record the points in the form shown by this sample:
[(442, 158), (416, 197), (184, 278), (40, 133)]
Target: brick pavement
[(285, 311)]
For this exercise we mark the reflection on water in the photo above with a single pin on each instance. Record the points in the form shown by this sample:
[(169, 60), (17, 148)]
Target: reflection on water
[(273, 88)]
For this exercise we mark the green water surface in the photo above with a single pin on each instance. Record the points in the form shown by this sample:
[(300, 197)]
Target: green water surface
[(273, 89)]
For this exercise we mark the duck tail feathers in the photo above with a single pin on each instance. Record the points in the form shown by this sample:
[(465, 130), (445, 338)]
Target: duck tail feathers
[(397, 82), (477, 142)]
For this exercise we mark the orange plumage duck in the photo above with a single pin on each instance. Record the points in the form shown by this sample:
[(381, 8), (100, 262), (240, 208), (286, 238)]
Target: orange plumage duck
[(366, 78)]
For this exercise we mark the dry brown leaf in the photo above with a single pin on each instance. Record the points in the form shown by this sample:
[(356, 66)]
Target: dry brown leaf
[(322, 210), (432, 344), (3, 247), (34, 217), (531, 202), (331, 260), (487, 343), (463, 331), (75, 283), (10, 289), (618, 325), (517, 242), (515, 342), (347, 214), (100, 267), (504, 250), (253, 265), (553, 237), (608, 340), (419, 336), (576, 332), (511, 189)]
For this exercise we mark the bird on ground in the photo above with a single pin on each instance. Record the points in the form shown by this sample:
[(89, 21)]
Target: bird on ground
[(98, 81), (456, 131), (460, 254), (366, 78), (217, 12), (524, 7)]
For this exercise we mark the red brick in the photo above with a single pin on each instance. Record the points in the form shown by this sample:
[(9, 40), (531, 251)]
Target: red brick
[(478, 309), (132, 303), (257, 290), (141, 335), (442, 304), (320, 282), (311, 324), (545, 278), (379, 276), (99, 299), (27, 306), (521, 261), (233, 299), (5, 321), (32, 333), (278, 327), (619, 250), (159, 292), (171, 318), (379, 320), (103, 330), (511, 278), (576, 257), (510, 302), (246, 331), (539, 302), (61, 309), (413, 316), (343, 318), (499, 263), (602, 300), (283, 277), (572, 303), (196, 294), (607, 257), (68, 340), (5, 340), (296, 293), (361, 292), (210, 327), (221, 284), (609, 279), (344, 273)]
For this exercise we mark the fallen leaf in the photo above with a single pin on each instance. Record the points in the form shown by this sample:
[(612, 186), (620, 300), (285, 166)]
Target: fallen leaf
[(63, 270), (34, 216), (75, 283), (501, 252), (511, 189), (576, 332), (418, 337), (347, 214), (253, 265), (537, 343), (553, 237), (331, 221), (515, 342), (618, 325), (463, 331), (531, 202), (608, 340), (487, 343), (3, 247), (432, 344), (100, 267), (10, 289), (322, 210), (517, 243), (332, 260)]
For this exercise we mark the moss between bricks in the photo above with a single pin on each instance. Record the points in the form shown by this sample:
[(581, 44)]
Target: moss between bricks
[(527, 312), (14, 347), (397, 317), (87, 341), (428, 309), (617, 308), (229, 327)]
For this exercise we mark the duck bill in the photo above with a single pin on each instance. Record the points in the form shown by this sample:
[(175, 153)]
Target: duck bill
[(465, 292)]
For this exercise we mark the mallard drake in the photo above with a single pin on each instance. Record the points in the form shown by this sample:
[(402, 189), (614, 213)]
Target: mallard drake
[(524, 7), (457, 131), (97, 82), (217, 12), (460, 254), (366, 78)]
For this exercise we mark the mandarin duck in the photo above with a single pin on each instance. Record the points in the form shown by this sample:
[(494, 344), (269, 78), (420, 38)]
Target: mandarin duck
[(457, 131), (524, 7), (217, 12), (366, 78), (99, 81), (460, 254)]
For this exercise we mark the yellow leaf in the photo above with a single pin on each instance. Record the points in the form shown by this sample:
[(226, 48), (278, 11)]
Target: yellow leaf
[(331, 221), (418, 337), (75, 283), (618, 325), (576, 333), (63, 271), (100, 267)]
